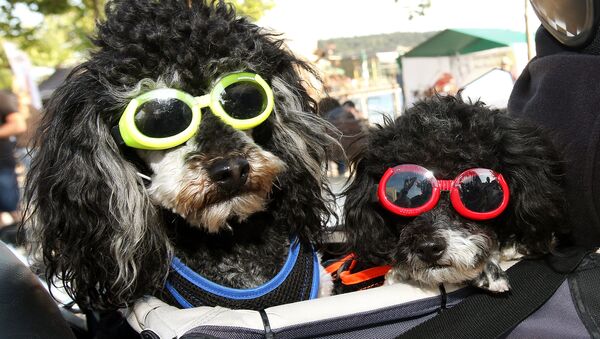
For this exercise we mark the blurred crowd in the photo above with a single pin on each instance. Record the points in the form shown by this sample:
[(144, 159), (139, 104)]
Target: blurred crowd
[(347, 120), (17, 126)]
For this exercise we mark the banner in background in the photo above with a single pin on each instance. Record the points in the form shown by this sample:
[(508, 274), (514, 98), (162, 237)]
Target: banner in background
[(21, 67)]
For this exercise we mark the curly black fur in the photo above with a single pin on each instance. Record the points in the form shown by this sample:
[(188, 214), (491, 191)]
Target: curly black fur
[(89, 214), (449, 136)]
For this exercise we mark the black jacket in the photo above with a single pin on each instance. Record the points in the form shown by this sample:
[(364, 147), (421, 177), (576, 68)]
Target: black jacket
[(560, 90)]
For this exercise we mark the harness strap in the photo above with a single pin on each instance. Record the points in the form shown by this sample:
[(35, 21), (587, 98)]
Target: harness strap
[(335, 266), (350, 275), (362, 276), (297, 280)]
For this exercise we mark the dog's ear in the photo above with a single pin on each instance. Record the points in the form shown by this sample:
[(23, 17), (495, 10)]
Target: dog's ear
[(303, 141), (367, 234), (89, 221), (533, 170)]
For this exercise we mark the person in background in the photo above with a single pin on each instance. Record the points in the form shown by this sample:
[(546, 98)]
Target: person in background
[(23, 151), (350, 106), (445, 85), (345, 121), (11, 125)]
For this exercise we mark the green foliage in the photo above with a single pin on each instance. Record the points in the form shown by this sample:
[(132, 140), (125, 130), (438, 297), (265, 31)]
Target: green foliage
[(417, 8), (5, 73), (62, 36), (59, 37), (253, 9), (11, 25)]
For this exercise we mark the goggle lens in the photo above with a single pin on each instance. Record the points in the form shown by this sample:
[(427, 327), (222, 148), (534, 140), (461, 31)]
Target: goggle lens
[(243, 100), (410, 188), (162, 118), (480, 190)]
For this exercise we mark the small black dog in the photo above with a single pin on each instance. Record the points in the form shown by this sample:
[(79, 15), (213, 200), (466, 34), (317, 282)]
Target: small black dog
[(448, 188), (187, 142)]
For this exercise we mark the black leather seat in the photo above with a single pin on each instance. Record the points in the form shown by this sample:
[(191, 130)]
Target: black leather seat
[(26, 308)]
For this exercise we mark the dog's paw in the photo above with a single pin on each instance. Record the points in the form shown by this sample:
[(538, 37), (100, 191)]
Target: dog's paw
[(492, 278), (395, 276), (512, 252), (499, 285)]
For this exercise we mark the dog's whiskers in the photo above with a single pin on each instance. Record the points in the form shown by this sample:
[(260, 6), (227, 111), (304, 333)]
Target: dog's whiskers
[(144, 177), (277, 183)]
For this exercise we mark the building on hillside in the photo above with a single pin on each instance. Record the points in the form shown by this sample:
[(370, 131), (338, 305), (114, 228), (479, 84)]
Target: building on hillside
[(364, 70)]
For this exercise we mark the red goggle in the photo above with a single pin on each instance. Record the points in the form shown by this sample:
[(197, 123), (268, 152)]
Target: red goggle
[(410, 190)]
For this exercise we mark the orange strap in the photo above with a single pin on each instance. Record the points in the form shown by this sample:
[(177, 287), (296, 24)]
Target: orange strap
[(368, 274), (336, 265)]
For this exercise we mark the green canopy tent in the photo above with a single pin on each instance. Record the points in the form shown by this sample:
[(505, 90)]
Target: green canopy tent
[(464, 41), (454, 51)]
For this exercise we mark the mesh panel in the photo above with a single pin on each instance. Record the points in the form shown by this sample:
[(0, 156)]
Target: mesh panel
[(296, 287), (557, 318), (211, 332), (586, 293)]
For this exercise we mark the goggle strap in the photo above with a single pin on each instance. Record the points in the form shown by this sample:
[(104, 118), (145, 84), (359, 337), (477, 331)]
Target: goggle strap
[(203, 101), (445, 185), (116, 134), (373, 195)]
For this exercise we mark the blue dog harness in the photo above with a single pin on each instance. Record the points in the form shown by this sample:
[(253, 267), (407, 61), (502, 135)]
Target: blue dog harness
[(298, 280)]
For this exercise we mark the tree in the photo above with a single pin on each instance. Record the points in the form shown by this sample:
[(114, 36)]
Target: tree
[(415, 7), (5, 73), (253, 9), (62, 36)]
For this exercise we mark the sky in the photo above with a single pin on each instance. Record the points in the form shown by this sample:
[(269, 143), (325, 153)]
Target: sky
[(304, 22)]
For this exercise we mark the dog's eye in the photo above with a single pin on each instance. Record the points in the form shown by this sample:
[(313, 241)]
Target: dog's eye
[(243, 100), (163, 118)]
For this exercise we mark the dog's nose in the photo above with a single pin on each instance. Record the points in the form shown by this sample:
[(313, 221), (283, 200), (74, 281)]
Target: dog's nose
[(230, 174), (430, 250)]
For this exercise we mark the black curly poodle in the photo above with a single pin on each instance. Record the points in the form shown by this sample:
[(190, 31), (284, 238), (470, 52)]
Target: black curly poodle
[(229, 203), (448, 137)]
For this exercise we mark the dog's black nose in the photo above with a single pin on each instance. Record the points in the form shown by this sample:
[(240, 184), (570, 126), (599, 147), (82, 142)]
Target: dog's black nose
[(430, 250), (230, 174)]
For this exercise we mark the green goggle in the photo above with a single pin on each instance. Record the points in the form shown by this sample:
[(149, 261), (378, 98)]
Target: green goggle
[(165, 118)]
